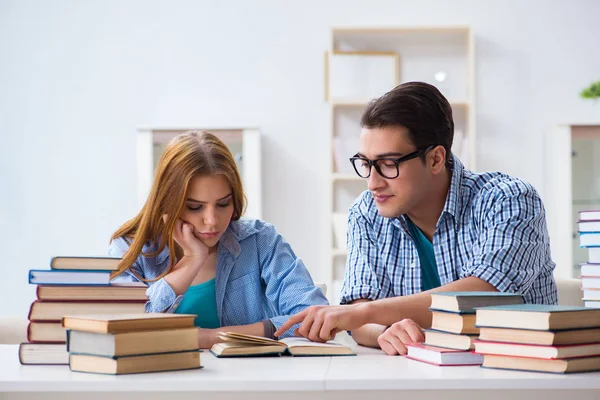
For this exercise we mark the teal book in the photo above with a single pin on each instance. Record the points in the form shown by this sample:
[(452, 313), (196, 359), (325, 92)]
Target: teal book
[(466, 302), (541, 317)]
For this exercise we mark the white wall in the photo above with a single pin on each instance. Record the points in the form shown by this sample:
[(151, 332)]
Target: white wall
[(78, 77)]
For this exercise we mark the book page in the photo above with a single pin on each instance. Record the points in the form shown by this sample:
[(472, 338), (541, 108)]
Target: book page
[(303, 342)]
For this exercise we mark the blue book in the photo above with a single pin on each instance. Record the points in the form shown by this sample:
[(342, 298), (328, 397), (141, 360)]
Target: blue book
[(466, 302), (589, 239), (538, 317), (69, 277)]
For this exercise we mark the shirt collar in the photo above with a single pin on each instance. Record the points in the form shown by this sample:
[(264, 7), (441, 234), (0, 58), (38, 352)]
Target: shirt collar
[(235, 232), (453, 199)]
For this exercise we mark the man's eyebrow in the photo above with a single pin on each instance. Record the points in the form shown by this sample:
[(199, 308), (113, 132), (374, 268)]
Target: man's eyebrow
[(204, 202), (383, 155)]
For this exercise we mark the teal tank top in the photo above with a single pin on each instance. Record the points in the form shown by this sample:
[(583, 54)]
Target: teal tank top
[(201, 300), (430, 279)]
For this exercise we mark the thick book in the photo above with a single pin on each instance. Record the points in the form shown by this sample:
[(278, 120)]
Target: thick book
[(591, 304), (589, 215), (466, 302), (128, 322), (85, 263), (46, 332), (43, 354), (590, 282), (68, 277), (527, 336), (594, 255), (589, 239), (537, 351), (562, 366), (449, 340), (132, 343), (54, 311), (538, 317), (240, 345), (589, 226), (135, 292), (441, 356), (454, 322), (135, 364), (591, 294), (588, 269)]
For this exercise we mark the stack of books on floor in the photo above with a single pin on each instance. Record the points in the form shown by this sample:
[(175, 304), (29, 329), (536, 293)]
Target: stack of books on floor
[(537, 337), (73, 285), (449, 342), (589, 237), (135, 343)]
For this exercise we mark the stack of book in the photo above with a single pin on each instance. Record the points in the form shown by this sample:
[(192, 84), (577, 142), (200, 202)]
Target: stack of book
[(73, 285), (135, 343), (537, 337), (453, 331), (589, 237)]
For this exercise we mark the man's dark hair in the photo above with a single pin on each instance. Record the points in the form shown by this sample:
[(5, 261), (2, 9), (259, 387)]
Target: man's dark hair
[(420, 108)]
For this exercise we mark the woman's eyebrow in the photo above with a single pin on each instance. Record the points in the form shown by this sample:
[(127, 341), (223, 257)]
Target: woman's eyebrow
[(204, 202)]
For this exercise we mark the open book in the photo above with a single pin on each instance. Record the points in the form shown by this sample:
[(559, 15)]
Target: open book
[(240, 345)]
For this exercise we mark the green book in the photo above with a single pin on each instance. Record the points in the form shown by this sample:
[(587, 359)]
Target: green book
[(541, 317), (466, 302)]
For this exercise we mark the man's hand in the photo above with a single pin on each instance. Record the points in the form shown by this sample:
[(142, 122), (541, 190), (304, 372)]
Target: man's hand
[(322, 323), (394, 339)]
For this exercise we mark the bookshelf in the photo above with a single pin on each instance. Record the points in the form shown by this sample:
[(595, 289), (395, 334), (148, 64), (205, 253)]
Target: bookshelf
[(572, 184), (363, 63)]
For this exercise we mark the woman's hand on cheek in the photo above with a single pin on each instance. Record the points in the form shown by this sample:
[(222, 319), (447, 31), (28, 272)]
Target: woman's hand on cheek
[(193, 248)]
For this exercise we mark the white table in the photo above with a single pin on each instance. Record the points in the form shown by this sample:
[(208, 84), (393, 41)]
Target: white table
[(370, 374)]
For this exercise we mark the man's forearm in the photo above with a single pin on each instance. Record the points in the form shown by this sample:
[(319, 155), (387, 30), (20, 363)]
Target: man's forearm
[(416, 306), (367, 335)]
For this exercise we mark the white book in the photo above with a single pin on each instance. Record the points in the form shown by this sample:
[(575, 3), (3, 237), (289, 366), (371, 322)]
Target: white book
[(592, 304), (589, 239), (590, 283), (591, 294), (588, 269), (589, 226), (594, 255), (589, 215)]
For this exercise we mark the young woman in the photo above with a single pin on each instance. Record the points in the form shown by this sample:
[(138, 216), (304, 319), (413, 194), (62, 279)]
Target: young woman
[(198, 257)]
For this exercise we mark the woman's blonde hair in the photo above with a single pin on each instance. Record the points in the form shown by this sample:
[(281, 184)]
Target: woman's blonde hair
[(186, 156)]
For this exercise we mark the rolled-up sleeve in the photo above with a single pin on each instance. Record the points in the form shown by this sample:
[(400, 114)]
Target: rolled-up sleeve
[(161, 296), (289, 286), (511, 250), (360, 280)]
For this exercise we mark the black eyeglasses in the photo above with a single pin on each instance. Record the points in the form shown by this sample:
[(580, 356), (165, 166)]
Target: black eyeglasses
[(386, 167)]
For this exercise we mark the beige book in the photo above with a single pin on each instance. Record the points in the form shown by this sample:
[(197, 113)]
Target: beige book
[(527, 336), (449, 340), (454, 322), (135, 364), (240, 345), (537, 364), (132, 343), (128, 322)]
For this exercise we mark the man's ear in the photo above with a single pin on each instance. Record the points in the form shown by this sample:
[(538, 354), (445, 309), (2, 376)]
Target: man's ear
[(437, 157)]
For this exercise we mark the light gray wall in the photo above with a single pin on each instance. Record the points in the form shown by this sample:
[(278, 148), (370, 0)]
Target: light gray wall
[(78, 77)]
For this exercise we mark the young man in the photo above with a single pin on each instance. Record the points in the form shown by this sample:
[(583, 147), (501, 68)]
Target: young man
[(427, 224)]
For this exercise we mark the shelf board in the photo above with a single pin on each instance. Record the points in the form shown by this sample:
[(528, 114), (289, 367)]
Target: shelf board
[(346, 177)]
